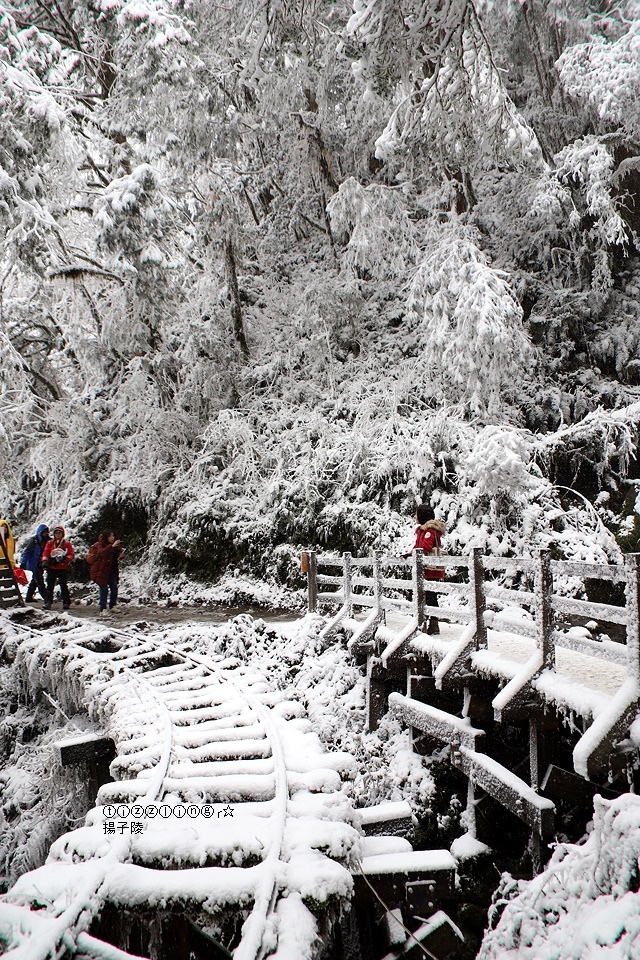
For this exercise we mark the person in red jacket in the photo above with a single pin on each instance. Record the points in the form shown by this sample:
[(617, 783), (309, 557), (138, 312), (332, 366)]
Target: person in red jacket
[(56, 557), (429, 533), (103, 557)]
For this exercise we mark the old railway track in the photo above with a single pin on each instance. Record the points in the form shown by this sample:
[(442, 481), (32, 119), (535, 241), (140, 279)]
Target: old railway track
[(225, 803)]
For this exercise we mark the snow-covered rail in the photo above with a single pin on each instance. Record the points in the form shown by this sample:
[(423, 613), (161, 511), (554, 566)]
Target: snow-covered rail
[(225, 800)]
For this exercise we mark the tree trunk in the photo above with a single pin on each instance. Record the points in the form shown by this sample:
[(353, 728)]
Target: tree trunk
[(234, 295)]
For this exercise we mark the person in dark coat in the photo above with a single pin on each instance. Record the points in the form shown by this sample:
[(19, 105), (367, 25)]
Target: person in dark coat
[(429, 533), (56, 557), (31, 559), (104, 570)]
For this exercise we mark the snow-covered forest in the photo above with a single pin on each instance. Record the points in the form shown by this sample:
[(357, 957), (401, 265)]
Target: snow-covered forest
[(273, 271)]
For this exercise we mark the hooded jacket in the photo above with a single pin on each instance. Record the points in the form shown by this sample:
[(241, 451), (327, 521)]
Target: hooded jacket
[(32, 553), (9, 546), (428, 536), (106, 561), (57, 556)]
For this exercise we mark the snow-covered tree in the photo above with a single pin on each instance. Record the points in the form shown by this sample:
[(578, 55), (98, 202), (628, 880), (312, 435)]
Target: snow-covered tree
[(471, 323)]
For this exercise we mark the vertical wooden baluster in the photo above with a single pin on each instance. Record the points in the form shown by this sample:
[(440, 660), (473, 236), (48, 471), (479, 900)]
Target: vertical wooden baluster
[(544, 610), (632, 565), (418, 587), (476, 579), (346, 564), (312, 581)]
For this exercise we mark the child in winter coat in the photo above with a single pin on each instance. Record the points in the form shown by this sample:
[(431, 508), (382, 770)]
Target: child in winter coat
[(56, 557), (429, 533), (31, 559), (103, 558)]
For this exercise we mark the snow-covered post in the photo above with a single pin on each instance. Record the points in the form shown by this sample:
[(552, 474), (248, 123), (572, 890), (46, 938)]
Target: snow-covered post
[(312, 580), (418, 587), (632, 565), (377, 589), (346, 575), (476, 579), (544, 610)]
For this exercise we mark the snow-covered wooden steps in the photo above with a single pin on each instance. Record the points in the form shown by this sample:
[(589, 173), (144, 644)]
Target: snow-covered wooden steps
[(224, 798)]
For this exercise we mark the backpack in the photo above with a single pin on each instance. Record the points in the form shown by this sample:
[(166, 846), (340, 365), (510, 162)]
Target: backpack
[(92, 555)]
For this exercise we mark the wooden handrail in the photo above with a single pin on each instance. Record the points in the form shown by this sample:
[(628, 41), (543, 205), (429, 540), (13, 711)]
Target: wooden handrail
[(363, 584)]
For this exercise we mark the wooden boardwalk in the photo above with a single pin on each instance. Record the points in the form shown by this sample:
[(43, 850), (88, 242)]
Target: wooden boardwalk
[(514, 647)]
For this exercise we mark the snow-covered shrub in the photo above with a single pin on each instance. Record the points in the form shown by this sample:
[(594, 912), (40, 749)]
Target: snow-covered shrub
[(380, 238), (584, 903), (587, 167), (604, 74), (500, 461), (471, 321)]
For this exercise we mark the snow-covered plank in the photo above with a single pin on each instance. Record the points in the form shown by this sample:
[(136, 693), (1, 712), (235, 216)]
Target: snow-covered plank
[(435, 723), (393, 816), (456, 660), (518, 689), (594, 571), (602, 649), (83, 748), (588, 608), (508, 789), (413, 862), (592, 750)]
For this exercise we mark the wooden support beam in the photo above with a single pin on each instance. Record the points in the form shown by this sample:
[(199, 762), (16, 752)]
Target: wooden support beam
[(439, 724), (439, 936), (560, 784), (390, 873), (377, 693), (508, 789), (86, 748), (387, 819)]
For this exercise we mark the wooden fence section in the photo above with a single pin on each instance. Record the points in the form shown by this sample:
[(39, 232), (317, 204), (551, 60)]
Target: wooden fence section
[(489, 600)]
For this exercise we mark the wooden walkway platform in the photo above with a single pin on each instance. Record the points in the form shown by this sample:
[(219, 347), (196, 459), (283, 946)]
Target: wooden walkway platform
[(519, 643)]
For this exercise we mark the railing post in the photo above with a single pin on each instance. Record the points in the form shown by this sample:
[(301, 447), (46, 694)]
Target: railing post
[(476, 578), (632, 565), (312, 580), (346, 567), (418, 587), (544, 611), (377, 576)]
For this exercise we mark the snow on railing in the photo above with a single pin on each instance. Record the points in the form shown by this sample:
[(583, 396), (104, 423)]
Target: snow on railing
[(486, 592)]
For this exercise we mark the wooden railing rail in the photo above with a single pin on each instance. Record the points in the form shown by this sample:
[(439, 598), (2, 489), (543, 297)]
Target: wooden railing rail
[(479, 593)]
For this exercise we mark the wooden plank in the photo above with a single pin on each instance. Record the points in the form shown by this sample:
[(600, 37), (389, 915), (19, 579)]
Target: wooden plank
[(594, 571), (439, 724), (589, 608), (85, 749), (560, 784), (439, 936), (508, 789)]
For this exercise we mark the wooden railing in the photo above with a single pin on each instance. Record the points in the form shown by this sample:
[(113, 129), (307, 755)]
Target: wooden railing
[(386, 584)]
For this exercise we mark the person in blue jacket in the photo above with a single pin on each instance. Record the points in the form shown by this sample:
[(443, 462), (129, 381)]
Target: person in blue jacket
[(31, 559)]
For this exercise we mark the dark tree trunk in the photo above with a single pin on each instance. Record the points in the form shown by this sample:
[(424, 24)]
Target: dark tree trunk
[(234, 295)]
